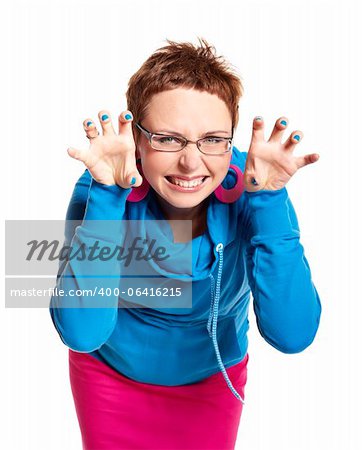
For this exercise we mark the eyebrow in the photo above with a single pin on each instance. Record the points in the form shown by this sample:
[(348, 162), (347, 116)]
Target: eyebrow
[(179, 134)]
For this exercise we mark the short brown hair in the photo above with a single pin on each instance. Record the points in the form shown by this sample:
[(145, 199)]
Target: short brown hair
[(181, 64)]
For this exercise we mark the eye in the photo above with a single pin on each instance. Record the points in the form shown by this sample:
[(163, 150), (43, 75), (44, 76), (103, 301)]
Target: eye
[(167, 140), (213, 140)]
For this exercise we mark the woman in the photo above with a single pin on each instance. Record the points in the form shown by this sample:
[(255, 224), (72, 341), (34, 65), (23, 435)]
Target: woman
[(169, 377)]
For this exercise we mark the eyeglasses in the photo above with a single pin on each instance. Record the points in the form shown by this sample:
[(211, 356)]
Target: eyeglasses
[(210, 145)]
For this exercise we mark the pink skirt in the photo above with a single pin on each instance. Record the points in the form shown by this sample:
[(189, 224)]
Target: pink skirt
[(117, 413)]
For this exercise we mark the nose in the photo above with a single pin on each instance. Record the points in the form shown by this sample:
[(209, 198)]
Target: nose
[(190, 158)]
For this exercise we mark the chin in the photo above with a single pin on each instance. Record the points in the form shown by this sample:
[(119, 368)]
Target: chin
[(185, 203), (182, 200)]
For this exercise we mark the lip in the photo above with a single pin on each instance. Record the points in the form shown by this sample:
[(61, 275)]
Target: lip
[(175, 187), (186, 178)]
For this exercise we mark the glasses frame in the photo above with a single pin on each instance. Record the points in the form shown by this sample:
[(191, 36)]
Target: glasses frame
[(185, 141)]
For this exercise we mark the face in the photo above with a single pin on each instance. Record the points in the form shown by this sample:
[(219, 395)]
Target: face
[(192, 114)]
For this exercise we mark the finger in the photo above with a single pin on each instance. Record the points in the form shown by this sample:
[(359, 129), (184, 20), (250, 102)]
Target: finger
[(307, 159), (125, 123), (293, 140), (258, 129), (106, 122), (90, 128), (80, 155), (278, 130), (131, 176)]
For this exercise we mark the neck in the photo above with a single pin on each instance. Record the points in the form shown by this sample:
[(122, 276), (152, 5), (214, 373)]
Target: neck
[(198, 214)]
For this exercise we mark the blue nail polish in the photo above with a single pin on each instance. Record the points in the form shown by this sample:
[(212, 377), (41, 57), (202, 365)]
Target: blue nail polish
[(254, 182), (128, 116), (89, 123), (283, 122), (104, 117), (133, 181), (258, 118), (297, 137)]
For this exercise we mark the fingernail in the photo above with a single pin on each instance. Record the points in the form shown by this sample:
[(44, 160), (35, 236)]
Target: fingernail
[(258, 118), (254, 182), (104, 117), (297, 137), (283, 122), (89, 123), (133, 181), (128, 116)]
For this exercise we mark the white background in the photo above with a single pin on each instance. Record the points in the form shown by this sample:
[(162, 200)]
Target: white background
[(63, 61)]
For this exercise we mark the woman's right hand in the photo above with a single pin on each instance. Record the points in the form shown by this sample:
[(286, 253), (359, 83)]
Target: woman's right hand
[(111, 157)]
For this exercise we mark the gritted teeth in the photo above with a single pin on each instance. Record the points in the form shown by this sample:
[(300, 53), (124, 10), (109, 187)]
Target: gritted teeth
[(185, 183)]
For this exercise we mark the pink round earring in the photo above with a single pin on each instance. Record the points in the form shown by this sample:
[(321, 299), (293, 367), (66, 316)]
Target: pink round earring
[(139, 193), (231, 195)]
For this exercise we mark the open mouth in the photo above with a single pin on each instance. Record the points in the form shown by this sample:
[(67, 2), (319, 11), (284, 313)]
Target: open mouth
[(186, 184)]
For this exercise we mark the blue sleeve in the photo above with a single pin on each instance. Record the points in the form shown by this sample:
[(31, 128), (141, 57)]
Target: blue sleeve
[(286, 303), (80, 325)]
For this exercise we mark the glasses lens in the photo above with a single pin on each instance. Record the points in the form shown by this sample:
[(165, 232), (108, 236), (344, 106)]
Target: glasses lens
[(215, 145), (167, 143)]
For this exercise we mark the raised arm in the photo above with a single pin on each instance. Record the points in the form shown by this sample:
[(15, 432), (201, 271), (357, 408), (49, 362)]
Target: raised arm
[(286, 302), (99, 195)]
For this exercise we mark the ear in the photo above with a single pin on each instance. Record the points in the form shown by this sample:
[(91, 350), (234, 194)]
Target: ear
[(135, 139)]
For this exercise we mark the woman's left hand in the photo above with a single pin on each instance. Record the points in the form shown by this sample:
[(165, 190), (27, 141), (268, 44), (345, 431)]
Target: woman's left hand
[(271, 164)]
